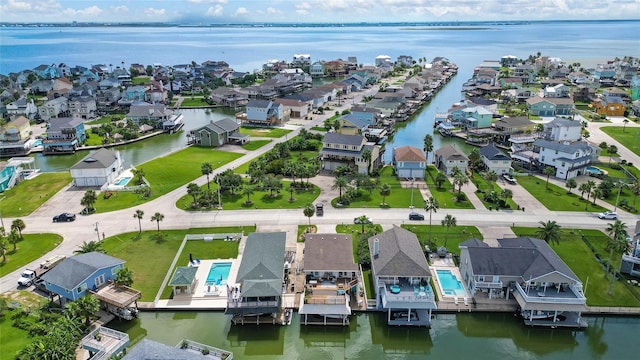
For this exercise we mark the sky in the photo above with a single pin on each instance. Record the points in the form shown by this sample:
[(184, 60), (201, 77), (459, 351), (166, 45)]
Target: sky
[(204, 12)]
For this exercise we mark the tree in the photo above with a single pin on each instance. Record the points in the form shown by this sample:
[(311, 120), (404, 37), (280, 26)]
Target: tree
[(505, 195), (617, 232), (597, 192), (448, 221), (157, 217), (91, 246), (625, 122), (431, 205), (362, 220), (385, 190), (13, 238), (460, 179), (139, 175), (138, 215), (475, 161), (549, 232), (124, 277), (85, 307), (308, 211), (440, 179), (612, 149), (207, 169), (491, 177), (291, 189), (194, 190), (548, 171), (272, 184), (366, 156), (88, 200), (571, 184), (427, 145), (340, 183), (4, 246), (635, 190), (603, 145), (584, 188), (248, 190), (18, 225)]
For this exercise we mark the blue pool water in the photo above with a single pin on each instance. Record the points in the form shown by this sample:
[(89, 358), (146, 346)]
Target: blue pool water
[(450, 284), (218, 274), (123, 181), (594, 170), (37, 143)]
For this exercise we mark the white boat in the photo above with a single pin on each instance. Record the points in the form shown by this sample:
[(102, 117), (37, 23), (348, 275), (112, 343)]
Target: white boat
[(539, 314)]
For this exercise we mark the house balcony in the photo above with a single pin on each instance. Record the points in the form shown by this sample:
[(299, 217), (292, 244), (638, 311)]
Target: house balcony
[(488, 284), (104, 343), (239, 305), (406, 296), (552, 297)]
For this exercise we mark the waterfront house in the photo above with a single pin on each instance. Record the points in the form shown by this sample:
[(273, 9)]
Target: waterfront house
[(260, 280), (570, 159), (185, 350), (526, 72), (218, 133), (64, 135), (631, 258), (604, 71), (295, 107), (473, 117), (316, 69), (560, 129), (75, 275), (610, 106), (332, 280), (98, 168), (545, 289), (58, 107), (368, 114), (495, 159), (448, 157), (401, 278), (83, 105), (262, 113), (351, 125), (158, 115), (514, 125), (409, 162), (550, 106), (229, 97), (15, 137), (339, 149)]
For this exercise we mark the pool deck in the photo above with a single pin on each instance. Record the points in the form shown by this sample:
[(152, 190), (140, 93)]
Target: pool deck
[(447, 263)]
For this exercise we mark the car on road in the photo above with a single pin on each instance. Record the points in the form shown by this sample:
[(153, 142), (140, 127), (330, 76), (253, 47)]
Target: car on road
[(358, 220), (416, 216), (64, 217), (609, 215), (509, 178)]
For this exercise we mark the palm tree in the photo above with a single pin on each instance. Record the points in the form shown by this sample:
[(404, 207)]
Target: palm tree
[(428, 145), (124, 277), (157, 217), (571, 184), (625, 122), (385, 190), (91, 246), (548, 171), (248, 190), (194, 190), (583, 188), (366, 156), (460, 179), (440, 179), (308, 211), (617, 232), (85, 307), (612, 150), (491, 177), (18, 225), (13, 238), (506, 194), (340, 183), (88, 200), (362, 220), (3, 249), (291, 189), (635, 190), (139, 174), (549, 232), (431, 205), (207, 169), (448, 221), (597, 192), (138, 215)]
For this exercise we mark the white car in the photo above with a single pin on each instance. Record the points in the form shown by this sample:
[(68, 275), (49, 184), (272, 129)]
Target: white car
[(509, 178), (609, 215)]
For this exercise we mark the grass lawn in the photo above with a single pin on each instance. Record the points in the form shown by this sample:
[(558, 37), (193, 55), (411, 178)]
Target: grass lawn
[(302, 229), (149, 259), (264, 132), (140, 80), (28, 195), (445, 194), (483, 185), (556, 198), (93, 139), (107, 119), (619, 173), (629, 137), (368, 279), (255, 144), (196, 101), (166, 174), (319, 128), (13, 339), (30, 248), (577, 255), (457, 234)]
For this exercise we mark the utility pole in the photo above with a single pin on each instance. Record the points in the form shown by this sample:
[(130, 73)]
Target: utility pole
[(219, 200), (97, 231)]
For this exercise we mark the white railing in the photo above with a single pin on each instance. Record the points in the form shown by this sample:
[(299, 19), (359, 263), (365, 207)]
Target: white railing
[(406, 296), (210, 350), (488, 284), (545, 299)]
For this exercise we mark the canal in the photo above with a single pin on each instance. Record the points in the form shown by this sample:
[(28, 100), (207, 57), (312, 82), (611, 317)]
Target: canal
[(460, 336)]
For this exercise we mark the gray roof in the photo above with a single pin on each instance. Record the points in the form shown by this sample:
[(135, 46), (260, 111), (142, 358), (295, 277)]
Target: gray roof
[(513, 121), (224, 125), (559, 122), (335, 138), (73, 271), (450, 152), (261, 271), (328, 252), (473, 242), (491, 152), (99, 159), (183, 275), (153, 350), (399, 254), (526, 257), (257, 103), (57, 124), (570, 148), (355, 120)]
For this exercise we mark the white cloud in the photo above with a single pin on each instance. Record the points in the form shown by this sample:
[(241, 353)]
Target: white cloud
[(120, 9), (273, 11), (241, 11), (87, 13), (208, 1), (215, 10), (153, 12), (303, 8)]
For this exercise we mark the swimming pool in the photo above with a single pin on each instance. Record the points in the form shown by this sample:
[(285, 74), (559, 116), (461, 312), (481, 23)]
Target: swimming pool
[(595, 170), (123, 181), (218, 273), (449, 283), (36, 143)]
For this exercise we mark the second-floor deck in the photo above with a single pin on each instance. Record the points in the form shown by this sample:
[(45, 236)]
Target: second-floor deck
[(552, 297), (407, 296)]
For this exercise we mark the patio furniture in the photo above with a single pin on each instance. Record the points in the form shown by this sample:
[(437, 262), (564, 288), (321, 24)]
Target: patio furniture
[(395, 289)]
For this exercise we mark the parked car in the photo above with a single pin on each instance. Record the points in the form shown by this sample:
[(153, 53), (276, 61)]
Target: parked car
[(509, 178), (609, 215), (319, 209), (416, 216), (64, 217), (359, 221)]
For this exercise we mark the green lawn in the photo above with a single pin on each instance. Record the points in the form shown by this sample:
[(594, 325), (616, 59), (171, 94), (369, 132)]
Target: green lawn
[(487, 186), (107, 119), (149, 259), (166, 174), (445, 194), (457, 234), (319, 128), (255, 144), (629, 137), (577, 255), (196, 101), (264, 132), (140, 80), (32, 247), (13, 339), (399, 198), (93, 139), (556, 198), (28, 195), (260, 199), (619, 173), (302, 229)]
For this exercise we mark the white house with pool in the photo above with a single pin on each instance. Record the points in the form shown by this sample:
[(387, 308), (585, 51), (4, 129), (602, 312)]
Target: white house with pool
[(98, 168), (528, 272)]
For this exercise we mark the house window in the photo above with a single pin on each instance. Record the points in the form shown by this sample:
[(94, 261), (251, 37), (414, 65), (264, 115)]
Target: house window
[(480, 277), (99, 280), (563, 164), (81, 288)]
